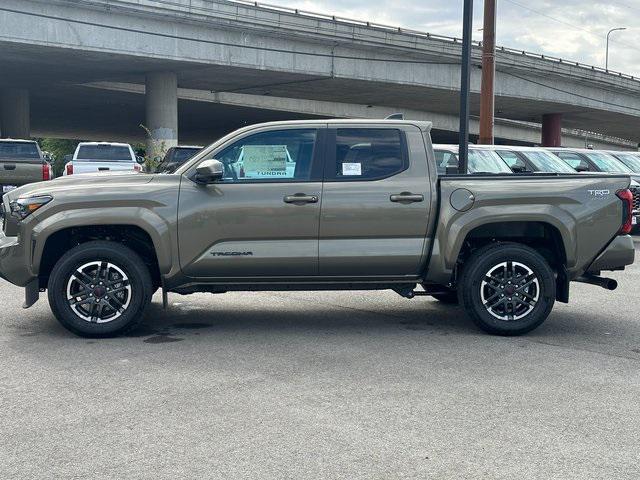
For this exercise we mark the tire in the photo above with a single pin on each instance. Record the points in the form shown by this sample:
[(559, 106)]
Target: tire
[(449, 298), (531, 302), (110, 308)]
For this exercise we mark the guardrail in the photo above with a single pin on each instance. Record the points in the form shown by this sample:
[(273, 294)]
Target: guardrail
[(417, 33)]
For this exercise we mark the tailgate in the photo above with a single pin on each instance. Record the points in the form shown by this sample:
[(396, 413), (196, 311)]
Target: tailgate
[(89, 166), (17, 172)]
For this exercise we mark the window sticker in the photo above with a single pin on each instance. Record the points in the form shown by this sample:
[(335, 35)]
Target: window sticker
[(352, 169), (266, 161)]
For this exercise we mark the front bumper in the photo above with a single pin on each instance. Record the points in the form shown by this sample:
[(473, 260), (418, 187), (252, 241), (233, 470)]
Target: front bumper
[(619, 254), (14, 266)]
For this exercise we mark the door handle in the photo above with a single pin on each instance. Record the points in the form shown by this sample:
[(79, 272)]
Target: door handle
[(406, 197), (300, 199)]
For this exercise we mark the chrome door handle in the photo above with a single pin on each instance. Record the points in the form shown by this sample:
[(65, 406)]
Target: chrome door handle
[(406, 197), (300, 199)]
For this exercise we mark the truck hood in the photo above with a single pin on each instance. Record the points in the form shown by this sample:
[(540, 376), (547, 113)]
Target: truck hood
[(75, 183)]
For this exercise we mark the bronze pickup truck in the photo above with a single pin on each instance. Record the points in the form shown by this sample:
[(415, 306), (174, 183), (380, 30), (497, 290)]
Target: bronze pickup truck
[(315, 205)]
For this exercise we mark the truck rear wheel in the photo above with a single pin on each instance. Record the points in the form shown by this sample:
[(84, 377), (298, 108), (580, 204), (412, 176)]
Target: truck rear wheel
[(507, 289), (99, 289)]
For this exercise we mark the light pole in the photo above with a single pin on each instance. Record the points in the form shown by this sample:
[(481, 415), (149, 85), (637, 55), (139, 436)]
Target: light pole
[(465, 82), (607, 54)]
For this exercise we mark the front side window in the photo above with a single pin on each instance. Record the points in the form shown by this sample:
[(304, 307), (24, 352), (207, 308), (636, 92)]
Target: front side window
[(279, 155), (512, 159), (445, 159), (574, 161), (368, 153)]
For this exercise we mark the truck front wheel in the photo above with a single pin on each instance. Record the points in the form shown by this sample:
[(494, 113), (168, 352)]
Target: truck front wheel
[(99, 289), (507, 289)]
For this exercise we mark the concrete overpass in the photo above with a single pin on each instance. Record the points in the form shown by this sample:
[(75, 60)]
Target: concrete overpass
[(100, 68)]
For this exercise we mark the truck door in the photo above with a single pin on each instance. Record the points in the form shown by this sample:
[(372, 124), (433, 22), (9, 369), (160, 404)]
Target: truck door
[(376, 202), (262, 218)]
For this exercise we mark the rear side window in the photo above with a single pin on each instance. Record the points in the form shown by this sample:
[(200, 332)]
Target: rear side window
[(572, 159), (104, 153), (17, 150), (368, 154)]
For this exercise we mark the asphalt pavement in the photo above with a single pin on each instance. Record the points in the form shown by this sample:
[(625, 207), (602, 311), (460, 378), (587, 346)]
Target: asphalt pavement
[(335, 385)]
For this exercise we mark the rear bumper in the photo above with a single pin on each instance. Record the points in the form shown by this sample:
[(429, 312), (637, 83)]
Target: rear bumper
[(619, 254), (14, 266)]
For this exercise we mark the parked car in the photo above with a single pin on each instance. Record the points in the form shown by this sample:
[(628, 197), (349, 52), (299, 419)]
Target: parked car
[(176, 157), (585, 160), (93, 157), (630, 159), (530, 159), (365, 209), (22, 162), (480, 160)]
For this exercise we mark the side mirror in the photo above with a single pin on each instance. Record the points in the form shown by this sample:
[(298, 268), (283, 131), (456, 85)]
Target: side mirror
[(140, 160), (452, 170), (583, 167), (519, 169), (209, 171)]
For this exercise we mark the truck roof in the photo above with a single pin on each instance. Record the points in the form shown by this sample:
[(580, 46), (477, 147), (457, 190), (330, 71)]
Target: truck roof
[(423, 125), (16, 140)]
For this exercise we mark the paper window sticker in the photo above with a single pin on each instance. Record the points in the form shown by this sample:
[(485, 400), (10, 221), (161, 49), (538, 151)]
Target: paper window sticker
[(352, 169)]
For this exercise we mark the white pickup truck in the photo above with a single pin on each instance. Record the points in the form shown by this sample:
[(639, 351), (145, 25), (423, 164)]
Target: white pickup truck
[(92, 157)]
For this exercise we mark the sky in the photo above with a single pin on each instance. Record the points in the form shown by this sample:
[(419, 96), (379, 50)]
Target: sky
[(570, 29)]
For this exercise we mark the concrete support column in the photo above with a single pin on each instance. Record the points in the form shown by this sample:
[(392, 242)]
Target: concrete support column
[(161, 98), (15, 114), (552, 130)]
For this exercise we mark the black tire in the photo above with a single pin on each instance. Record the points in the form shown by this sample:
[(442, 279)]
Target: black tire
[(520, 315), (125, 305), (449, 298)]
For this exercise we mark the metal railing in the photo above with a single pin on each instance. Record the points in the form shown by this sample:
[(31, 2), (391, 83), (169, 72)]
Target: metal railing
[(430, 36)]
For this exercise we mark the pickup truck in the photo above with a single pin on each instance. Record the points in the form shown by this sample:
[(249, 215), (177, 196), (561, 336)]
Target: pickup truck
[(363, 209), (91, 157), (21, 162)]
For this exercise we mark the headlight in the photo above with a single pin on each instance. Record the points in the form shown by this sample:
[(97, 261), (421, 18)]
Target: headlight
[(23, 207)]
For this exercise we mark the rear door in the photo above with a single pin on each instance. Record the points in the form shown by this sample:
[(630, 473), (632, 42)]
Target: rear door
[(375, 202), (262, 219)]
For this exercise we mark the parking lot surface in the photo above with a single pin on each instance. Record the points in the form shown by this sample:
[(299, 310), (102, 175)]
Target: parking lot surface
[(324, 385)]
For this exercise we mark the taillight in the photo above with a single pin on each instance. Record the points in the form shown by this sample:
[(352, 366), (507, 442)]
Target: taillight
[(627, 211), (46, 171), (137, 167), (69, 168)]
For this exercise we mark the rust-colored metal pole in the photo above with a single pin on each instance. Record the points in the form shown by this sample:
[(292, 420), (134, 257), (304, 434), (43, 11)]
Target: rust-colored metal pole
[(487, 98)]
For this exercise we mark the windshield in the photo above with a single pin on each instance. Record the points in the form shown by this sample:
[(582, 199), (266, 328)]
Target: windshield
[(481, 161), (19, 150), (184, 154), (631, 160), (104, 153), (607, 163), (547, 162)]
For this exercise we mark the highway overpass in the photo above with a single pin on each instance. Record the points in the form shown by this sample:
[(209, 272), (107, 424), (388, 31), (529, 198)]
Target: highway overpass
[(191, 70)]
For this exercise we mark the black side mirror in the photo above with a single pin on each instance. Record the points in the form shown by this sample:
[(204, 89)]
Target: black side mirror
[(209, 171), (519, 169), (140, 160), (452, 170), (583, 167)]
